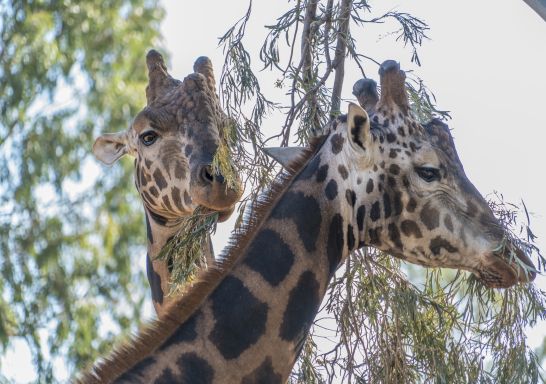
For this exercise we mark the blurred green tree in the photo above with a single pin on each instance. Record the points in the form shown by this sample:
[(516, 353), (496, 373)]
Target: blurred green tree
[(69, 70)]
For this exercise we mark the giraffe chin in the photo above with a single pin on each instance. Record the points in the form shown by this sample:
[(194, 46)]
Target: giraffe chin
[(219, 199), (223, 214), (504, 271)]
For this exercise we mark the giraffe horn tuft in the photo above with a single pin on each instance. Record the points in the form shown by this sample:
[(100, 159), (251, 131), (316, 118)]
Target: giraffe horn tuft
[(393, 89), (203, 65), (159, 80)]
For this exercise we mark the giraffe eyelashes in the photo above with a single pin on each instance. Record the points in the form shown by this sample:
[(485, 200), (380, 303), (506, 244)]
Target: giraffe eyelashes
[(148, 138), (428, 174)]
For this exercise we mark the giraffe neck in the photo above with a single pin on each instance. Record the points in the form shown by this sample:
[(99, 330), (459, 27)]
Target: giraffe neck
[(159, 232), (253, 323)]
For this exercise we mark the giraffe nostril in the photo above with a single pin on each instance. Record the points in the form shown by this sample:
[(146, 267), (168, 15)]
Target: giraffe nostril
[(206, 174)]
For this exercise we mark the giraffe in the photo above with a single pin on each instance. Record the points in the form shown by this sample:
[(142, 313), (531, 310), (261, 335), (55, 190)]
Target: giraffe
[(173, 140), (383, 181)]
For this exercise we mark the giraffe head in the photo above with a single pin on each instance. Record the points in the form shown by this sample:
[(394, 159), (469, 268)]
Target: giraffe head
[(406, 191), (174, 139)]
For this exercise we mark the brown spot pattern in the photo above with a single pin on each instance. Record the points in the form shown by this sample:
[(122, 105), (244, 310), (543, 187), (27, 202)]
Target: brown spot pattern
[(410, 228), (430, 216), (159, 179)]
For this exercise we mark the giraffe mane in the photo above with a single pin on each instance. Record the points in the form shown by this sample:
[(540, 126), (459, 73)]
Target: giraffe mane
[(156, 332)]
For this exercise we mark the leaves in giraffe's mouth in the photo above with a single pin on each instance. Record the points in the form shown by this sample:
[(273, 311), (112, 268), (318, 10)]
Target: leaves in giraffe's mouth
[(186, 251), (223, 162), (514, 248)]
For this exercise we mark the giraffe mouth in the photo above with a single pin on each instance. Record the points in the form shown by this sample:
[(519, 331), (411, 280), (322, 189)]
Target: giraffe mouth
[(506, 267), (223, 214), (218, 198)]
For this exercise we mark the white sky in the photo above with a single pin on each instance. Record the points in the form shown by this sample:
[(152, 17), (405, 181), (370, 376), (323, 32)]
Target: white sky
[(485, 62)]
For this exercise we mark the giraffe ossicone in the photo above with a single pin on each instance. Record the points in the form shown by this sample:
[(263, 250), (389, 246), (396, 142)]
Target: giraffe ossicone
[(383, 181), (173, 139)]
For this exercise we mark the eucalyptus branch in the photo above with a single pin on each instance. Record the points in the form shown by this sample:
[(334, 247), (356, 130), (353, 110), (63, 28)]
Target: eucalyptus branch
[(269, 53), (339, 59), (327, 28), (308, 34), (412, 30), (238, 87)]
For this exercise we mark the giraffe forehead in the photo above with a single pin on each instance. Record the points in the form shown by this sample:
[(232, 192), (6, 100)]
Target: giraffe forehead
[(424, 155), (140, 124), (404, 140), (149, 118)]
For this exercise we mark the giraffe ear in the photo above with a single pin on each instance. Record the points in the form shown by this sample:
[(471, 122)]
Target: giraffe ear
[(284, 155), (109, 147), (365, 91), (358, 124)]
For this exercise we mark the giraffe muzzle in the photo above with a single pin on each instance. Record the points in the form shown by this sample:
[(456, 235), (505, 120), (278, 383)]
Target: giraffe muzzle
[(212, 191), (526, 270), (506, 267)]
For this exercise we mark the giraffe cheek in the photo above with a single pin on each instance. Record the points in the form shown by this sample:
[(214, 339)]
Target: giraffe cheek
[(180, 171), (410, 229), (430, 216), (141, 177), (176, 196), (394, 236), (159, 179)]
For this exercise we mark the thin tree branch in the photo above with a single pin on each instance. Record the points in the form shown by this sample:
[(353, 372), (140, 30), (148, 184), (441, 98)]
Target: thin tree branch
[(339, 59), (306, 43), (327, 29), (309, 31)]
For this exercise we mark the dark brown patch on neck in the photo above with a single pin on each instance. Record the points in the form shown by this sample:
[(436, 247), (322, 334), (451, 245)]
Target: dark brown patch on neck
[(264, 374)]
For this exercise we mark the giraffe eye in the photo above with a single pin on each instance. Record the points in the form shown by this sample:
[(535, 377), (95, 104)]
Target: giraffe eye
[(148, 138), (428, 174)]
